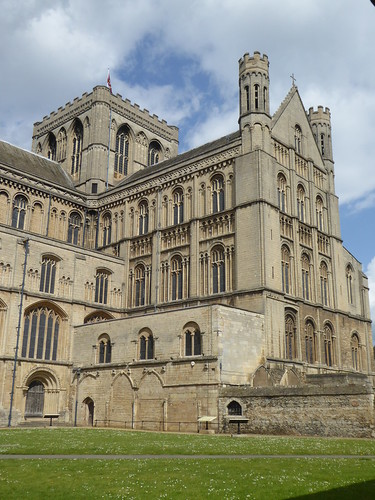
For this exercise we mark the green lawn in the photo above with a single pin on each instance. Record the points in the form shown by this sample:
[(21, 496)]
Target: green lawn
[(223, 478)]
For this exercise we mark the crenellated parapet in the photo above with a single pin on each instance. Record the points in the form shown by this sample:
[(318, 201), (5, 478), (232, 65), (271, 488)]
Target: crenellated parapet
[(254, 64), (320, 121)]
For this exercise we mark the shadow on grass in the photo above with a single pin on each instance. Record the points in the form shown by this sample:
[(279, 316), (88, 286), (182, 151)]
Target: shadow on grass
[(361, 491)]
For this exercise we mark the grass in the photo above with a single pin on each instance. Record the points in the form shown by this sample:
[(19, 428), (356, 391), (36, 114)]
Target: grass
[(231, 478), (109, 441)]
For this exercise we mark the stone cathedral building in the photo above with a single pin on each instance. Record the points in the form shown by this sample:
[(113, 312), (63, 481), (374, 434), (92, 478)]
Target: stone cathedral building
[(143, 288)]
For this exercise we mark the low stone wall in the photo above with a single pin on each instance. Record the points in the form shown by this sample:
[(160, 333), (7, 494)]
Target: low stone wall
[(325, 406)]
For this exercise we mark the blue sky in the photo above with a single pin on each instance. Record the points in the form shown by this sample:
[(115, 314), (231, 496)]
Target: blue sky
[(179, 60)]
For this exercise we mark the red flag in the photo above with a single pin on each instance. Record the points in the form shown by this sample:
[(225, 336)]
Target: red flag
[(109, 82)]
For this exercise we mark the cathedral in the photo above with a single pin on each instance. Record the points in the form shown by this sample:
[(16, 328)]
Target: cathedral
[(205, 291)]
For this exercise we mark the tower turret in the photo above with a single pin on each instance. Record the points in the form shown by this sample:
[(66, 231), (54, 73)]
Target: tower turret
[(254, 101), (320, 122)]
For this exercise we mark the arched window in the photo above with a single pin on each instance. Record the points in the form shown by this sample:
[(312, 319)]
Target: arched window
[(61, 145), (74, 228), (178, 206), (298, 138), (234, 408), (290, 337), (256, 96), (19, 211), (301, 203), (35, 400), (176, 278), (217, 187), (140, 284), (328, 345), (322, 142), (122, 152), (101, 286), (324, 283), (51, 147), (281, 192), (356, 352), (48, 274), (193, 341), (247, 98), (285, 269), (107, 229), (349, 283), (41, 334), (218, 269), (305, 264), (146, 345), (154, 153), (310, 342), (143, 218), (319, 213), (105, 349), (77, 138)]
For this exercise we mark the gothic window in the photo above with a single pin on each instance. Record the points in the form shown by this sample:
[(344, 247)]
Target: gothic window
[(77, 138), (256, 96), (51, 147), (101, 286), (356, 353), (61, 145), (41, 334), (218, 270), (35, 400), (324, 283), (105, 349), (107, 229), (349, 283), (140, 285), (217, 187), (247, 96), (264, 98), (48, 274), (322, 141), (146, 346), (319, 213), (301, 203), (178, 206), (234, 408), (143, 218), (193, 342), (297, 138), (328, 345), (176, 278), (74, 228), (281, 192), (154, 153), (310, 342), (122, 152), (305, 262), (19, 211), (290, 337), (285, 269)]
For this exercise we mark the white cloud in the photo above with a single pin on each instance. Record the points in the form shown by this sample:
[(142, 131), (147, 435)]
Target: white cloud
[(53, 52)]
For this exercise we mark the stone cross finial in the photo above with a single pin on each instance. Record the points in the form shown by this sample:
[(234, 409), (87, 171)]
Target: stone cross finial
[(293, 79)]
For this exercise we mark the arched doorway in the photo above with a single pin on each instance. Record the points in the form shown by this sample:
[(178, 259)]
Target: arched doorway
[(89, 411), (35, 400)]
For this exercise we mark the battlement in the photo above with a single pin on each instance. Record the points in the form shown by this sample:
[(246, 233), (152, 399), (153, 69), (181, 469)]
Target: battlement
[(320, 115), (101, 94), (254, 63)]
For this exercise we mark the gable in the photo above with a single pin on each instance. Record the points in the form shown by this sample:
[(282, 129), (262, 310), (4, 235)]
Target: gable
[(290, 114)]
